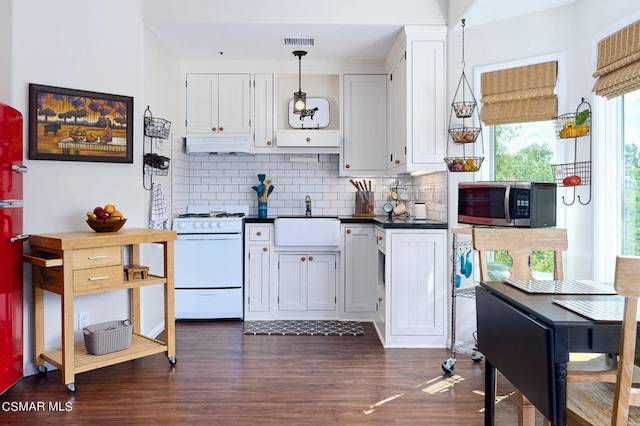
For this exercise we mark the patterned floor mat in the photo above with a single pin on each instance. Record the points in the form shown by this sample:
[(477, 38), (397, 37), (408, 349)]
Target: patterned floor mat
[(304, 328)]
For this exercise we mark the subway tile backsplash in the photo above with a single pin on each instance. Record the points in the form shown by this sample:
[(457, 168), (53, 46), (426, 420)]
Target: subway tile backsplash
[(227, 179)]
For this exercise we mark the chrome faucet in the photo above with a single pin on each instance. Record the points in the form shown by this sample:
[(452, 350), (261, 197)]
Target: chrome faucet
[(307, 201)]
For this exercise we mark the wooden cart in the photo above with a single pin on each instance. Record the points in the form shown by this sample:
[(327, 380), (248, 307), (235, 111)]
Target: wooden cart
[(73, 264)]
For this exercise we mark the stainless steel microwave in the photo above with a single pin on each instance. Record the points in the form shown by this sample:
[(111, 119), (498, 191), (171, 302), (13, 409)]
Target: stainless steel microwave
[(518, 204)]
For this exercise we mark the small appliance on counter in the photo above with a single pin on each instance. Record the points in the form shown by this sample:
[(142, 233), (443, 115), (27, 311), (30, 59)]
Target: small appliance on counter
[(518, 204), (420, 211)]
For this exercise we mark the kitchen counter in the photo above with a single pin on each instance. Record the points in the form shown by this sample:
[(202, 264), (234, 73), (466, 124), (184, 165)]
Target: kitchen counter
[(383, 221)]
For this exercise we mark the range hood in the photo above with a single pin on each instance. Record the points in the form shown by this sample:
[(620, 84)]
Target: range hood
[(237, 146)]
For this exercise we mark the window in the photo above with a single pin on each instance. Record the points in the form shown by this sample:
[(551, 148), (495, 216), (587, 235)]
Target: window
[(631, 176), (524, 152)]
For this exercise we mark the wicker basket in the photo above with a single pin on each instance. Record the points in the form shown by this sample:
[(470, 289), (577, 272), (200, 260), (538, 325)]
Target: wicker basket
[(108, 337)]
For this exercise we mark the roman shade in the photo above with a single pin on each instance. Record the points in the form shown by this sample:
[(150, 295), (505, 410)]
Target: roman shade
[(618, 69), (520, 95)]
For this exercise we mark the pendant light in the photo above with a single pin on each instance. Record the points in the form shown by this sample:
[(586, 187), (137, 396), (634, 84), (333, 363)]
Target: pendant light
[(299, 97)]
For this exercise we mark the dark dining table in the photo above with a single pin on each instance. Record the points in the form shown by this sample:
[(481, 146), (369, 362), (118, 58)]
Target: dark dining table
[(527, 338)]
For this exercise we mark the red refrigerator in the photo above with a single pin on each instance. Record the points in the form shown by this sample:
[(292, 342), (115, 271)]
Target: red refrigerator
[(11, 238)]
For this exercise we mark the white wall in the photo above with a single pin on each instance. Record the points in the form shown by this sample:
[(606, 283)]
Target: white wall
[(104, 54)]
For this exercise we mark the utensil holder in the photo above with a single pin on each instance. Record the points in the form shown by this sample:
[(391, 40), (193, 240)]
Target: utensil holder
[(364, 203), (262, 209)]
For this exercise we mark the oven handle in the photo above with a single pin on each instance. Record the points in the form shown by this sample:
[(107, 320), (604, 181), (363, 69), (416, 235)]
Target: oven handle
[(209, 237)]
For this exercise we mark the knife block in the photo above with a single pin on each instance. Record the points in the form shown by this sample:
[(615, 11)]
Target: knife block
[(364, 204)]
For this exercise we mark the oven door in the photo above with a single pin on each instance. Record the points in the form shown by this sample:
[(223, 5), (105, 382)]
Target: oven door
[(208, 261)]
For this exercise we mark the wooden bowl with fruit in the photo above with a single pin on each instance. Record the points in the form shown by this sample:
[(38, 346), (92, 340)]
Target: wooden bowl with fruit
[(106, 219)]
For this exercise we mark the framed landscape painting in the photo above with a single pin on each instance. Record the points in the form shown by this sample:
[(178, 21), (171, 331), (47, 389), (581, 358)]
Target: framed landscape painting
[(76, 125)]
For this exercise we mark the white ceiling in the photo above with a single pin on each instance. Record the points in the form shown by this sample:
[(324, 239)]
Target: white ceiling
[(237, 39)]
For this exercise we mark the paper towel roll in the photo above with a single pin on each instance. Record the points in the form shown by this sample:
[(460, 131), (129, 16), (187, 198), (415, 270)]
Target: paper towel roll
[(420, 210)]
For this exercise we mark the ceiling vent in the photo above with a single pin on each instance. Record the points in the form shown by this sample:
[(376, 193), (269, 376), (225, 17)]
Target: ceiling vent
[(298, 41)]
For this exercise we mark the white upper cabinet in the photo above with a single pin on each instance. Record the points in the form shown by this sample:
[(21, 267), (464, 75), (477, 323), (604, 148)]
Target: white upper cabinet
[(263, 111), (218, 104), (364, 142), (416, 65)]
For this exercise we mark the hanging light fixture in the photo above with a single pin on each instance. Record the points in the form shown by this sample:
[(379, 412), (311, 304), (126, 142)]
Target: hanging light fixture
[(299, 97)]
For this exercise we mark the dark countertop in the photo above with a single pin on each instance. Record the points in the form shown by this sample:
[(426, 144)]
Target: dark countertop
[(383, 221)]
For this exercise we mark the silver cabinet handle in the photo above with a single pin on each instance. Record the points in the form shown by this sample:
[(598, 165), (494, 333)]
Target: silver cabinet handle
[(20, 238), (20, 169), (98, 278), (11, 204), (97, 257)]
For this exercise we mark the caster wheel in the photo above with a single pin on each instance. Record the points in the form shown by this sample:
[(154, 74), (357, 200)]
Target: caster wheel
[(72, 387), (448, 365), (172, 360), (42, 369)]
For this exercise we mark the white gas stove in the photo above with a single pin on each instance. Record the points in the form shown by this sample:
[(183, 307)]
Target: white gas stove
[(209, 262)]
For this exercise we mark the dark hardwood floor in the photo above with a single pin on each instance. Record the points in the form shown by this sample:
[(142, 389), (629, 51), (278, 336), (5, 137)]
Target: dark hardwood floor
[(223, 377)]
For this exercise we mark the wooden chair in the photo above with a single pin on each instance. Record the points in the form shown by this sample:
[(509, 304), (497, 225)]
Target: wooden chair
[(519, 243), (609, 403)]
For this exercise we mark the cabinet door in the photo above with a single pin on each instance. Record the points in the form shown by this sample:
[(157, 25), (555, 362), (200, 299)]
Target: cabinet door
[(202, 103), (321, 282), (234, 103), (263, 110), (258, 280), (292, 282), (427, 99), (360, 269), (365, 123), (398, 137), (418, 296)]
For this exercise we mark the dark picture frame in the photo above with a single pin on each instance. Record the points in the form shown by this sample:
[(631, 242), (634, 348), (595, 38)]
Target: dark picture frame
[(79, 125)]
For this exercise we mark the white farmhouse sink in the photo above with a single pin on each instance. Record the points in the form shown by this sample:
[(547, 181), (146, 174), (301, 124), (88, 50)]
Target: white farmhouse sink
[(307, 231)]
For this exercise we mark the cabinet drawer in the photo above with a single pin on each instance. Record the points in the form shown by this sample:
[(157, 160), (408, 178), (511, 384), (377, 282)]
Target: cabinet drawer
[(312, 138), (97, 278), (259, 233), (96, 257)]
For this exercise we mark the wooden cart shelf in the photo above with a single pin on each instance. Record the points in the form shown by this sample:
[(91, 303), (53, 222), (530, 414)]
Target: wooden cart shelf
[(141, 346), (72, 264)]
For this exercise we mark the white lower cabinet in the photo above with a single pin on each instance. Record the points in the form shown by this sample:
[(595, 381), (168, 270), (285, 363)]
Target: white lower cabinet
[(414, 301), (257, 292), (360, 271), (307, 286)]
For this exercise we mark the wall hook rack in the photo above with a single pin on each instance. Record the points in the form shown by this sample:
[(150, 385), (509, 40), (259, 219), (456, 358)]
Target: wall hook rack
[(154, 164)]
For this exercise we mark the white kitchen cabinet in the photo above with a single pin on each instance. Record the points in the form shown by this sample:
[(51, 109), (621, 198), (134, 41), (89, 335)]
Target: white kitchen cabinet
[(417, 100), (218, 104), (263, 111), (360, 271), (258, 248), (309, 139), (398, 113), (307, 285), (364, 144), (414, 301)]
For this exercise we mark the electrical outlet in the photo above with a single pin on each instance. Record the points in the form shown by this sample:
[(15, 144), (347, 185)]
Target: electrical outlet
[(83, 320)]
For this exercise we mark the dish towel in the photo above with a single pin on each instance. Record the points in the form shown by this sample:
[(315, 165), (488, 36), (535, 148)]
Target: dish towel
[(159, 214)]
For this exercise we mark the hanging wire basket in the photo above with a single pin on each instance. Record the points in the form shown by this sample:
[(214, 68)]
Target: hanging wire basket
[(573, 125), (155, 127), (464, 109), (464, 134), (463, 164), (573, 174)]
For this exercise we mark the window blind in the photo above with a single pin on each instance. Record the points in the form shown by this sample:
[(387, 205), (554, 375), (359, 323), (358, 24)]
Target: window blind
[(520, 95), (618, 69)]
